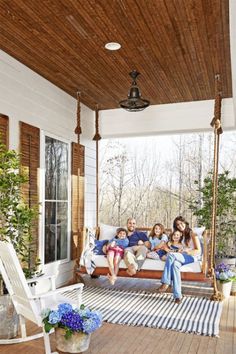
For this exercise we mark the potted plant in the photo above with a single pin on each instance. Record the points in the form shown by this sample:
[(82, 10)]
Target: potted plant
[(73, 326), (16, 220), (224, 276), (225, 213)]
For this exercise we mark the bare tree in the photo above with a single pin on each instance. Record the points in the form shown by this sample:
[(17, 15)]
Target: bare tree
[(155, 185)]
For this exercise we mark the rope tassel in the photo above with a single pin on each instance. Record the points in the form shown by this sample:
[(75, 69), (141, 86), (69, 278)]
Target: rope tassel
[(78, 129), (97, 136)]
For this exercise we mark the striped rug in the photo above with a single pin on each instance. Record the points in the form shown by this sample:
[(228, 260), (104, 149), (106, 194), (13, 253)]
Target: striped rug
[(193, 315)]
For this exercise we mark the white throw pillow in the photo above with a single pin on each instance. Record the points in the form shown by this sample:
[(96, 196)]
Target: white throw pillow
[(107, 232)]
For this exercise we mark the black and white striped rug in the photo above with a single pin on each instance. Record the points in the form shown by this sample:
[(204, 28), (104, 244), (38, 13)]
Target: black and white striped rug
[(193, 315)]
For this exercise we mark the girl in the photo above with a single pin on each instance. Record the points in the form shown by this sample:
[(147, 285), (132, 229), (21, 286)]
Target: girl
[(174, 260), (157, 239), (174, 245), (115, 252)]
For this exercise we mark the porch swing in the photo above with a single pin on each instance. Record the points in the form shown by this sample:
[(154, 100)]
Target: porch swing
[(204, 272)]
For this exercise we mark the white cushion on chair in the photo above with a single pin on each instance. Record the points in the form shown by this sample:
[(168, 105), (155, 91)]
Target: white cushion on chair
[(107, 232)]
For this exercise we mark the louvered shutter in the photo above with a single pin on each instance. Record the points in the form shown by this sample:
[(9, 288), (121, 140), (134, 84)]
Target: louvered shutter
[(30, 154), (4, 130), (77, 214)]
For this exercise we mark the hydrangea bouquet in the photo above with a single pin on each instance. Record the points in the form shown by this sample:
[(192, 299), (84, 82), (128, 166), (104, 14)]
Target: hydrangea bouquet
[(223, 273), (71, 320)]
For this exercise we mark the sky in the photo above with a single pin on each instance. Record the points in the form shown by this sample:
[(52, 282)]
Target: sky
[(163, 147)]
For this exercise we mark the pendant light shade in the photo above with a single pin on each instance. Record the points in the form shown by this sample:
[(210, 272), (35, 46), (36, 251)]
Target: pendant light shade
[(135, 102)]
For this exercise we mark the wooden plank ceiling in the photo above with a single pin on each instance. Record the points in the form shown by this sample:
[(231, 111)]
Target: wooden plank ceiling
[(177, 45)]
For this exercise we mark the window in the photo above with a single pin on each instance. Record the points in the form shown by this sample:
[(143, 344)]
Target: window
[(56, 201)]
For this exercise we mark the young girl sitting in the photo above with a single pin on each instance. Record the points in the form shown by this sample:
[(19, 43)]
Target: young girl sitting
[(174, 245), (115, 252), (157, 239)]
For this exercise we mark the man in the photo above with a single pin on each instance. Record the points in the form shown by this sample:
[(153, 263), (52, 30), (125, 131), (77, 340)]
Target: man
[(136, 253)]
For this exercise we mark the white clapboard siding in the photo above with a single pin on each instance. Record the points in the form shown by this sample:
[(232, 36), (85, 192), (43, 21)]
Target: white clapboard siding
[(26, 96)]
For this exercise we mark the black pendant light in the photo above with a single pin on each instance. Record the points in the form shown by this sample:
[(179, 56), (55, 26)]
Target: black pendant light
[(134, 103)]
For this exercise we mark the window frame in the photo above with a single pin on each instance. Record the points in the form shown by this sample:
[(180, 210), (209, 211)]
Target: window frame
[(43, 135)]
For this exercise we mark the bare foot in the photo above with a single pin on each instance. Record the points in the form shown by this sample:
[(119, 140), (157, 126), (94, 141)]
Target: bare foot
[(112, 279), (131, 270)]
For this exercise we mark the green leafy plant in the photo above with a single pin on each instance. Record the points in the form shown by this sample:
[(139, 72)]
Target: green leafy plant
[(225, 213), (16, 217)]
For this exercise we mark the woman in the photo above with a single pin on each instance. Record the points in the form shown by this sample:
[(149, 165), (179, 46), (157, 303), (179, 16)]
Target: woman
[(175, 260)]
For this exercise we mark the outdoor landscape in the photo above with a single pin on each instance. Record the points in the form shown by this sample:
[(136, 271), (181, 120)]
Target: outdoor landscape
[(157, 178)]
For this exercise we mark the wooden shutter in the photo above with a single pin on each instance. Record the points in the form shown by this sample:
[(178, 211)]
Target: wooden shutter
[(77, 214), (30, 154), (4, 130)]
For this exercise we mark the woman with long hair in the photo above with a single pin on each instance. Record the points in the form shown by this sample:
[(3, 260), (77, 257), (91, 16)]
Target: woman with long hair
[(190, 252)]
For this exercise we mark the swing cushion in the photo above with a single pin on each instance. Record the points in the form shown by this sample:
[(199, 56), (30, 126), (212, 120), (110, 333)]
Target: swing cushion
[(150, 264), (107, 232)]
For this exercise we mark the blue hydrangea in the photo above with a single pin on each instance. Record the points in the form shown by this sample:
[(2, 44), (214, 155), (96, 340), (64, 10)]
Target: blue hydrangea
[(84, 312), (73, 321), (45, 313), (222, 268), (93, 322), (54, 317), (231, 274), (223, 272), (223, 276), (63, 308)]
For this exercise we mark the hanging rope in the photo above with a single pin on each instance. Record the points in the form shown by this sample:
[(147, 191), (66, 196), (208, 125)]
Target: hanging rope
[(216, 124), (97, 137), (78, 129)]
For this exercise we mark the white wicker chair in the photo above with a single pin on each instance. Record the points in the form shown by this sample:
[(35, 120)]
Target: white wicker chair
[(29, 306)]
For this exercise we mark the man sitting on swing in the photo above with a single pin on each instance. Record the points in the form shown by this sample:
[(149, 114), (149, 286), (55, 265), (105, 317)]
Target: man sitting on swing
[(136, 252)]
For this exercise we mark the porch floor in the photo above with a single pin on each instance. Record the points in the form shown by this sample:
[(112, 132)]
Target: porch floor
[(116, 339)]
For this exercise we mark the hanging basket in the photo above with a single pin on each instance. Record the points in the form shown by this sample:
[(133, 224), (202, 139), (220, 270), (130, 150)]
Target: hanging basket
[(77, 343)]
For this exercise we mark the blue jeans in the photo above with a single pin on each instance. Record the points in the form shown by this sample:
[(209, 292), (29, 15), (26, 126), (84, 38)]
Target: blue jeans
[(171, 273)]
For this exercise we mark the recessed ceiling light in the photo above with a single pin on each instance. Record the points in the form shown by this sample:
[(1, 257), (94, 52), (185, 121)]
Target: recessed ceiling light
[(112, 46)]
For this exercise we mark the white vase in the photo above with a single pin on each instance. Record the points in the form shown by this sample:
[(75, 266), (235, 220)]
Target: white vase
[(225, 288), (77, 343), (233, 289)]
